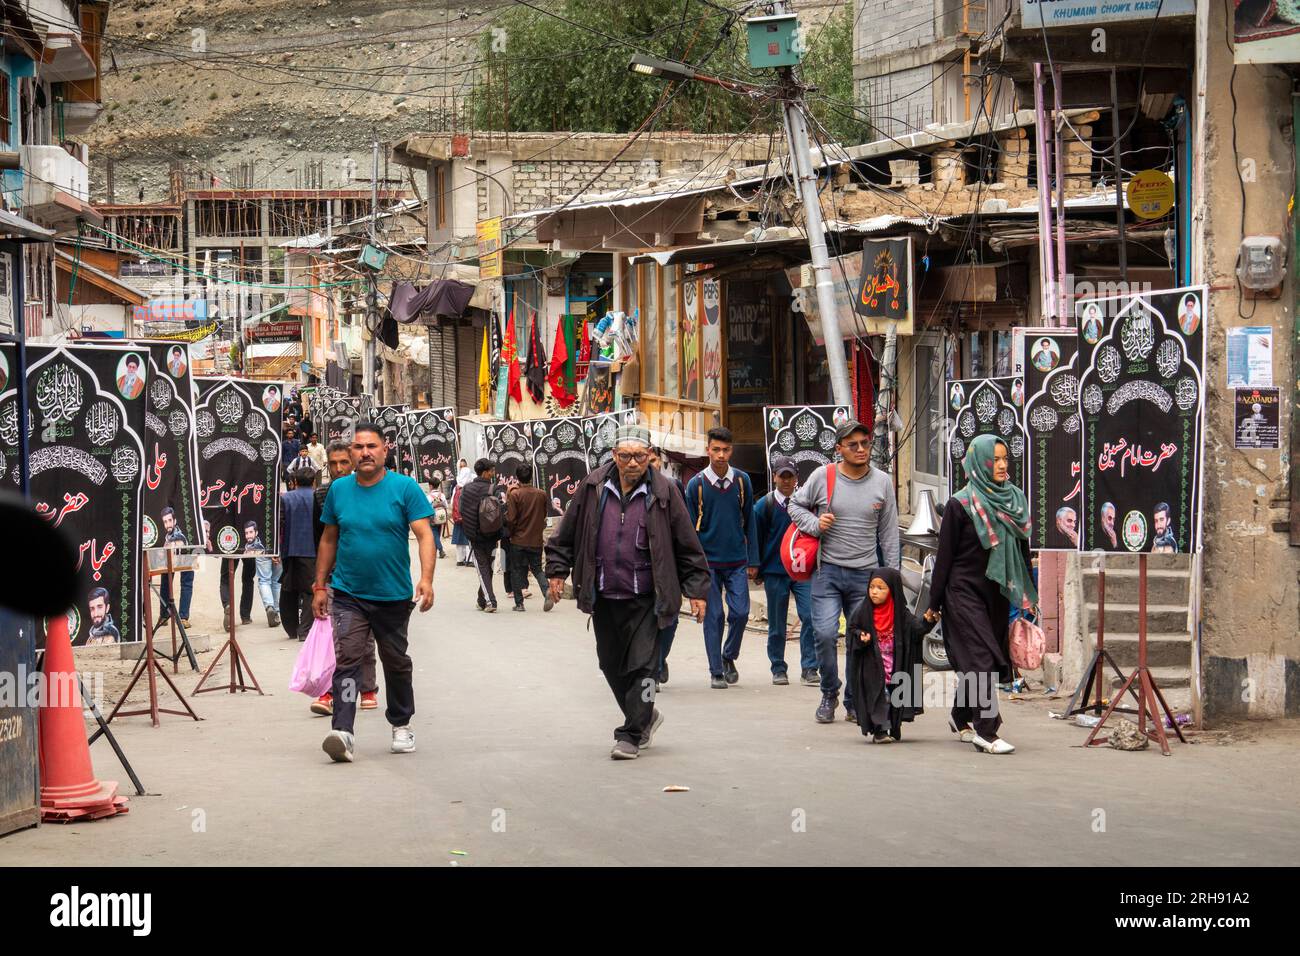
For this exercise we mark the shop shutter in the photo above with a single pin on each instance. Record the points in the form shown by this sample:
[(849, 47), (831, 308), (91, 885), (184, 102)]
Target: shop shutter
[(468, 345)]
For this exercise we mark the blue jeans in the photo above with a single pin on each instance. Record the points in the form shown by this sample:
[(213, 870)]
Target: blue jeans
[(187, 592), (778, 588), (733, 583), (666, 635), (268, 582), (835, 590)]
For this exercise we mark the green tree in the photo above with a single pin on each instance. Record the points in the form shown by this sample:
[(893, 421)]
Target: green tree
[(828, 66), (566, 77)]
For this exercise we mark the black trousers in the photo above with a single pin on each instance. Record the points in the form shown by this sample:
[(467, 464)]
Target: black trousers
[(627, 648), (354, 620), (522, 562), (247, 586), (296, 579), (481, 553)]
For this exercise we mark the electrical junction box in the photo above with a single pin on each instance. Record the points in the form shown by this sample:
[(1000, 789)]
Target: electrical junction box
[(774, 41), (1261, 265), (372, 257)]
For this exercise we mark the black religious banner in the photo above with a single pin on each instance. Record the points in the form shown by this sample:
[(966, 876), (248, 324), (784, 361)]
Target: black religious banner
[(560, 460), (885, 284), (338, 417), (172, 515), (238, 426), (434, 444), (1053, 470), (86, 414), (1255, 424), (509, 445), (599, 432), (985, 406), (1141, 392), (391, 420), (804, 433), (751, 375)]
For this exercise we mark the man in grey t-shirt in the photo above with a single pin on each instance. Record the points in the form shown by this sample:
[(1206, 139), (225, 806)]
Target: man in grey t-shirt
[(858, 528)]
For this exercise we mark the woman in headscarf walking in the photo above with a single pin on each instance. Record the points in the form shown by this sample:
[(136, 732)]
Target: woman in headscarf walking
[(458, 537), (981, 572)]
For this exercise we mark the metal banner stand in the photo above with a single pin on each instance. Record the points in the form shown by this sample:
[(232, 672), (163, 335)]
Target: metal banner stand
[(168, 606), (1148, 695), (149, 664), (238, 662), (1094, 674)]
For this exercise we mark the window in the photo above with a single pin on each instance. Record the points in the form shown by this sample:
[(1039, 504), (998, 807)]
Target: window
[(6, 113), (649, 306), (440, 196)]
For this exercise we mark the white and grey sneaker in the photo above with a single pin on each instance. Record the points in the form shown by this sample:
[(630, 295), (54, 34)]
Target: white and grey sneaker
[(338, 744), (403, 740), (648, 737)]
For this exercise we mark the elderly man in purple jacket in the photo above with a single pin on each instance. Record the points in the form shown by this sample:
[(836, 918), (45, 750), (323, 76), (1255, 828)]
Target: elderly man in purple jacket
[(633, 552)]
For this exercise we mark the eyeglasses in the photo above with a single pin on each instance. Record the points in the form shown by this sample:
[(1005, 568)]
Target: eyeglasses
[(640, 458), (858, 445)]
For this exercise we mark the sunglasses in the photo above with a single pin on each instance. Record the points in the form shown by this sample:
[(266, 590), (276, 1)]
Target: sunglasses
[(857, 445)]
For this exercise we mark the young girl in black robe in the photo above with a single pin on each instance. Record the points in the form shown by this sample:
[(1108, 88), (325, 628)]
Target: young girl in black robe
[(886, 671)]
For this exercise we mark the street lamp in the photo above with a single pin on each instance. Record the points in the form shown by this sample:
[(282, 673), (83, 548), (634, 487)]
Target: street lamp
[(652, 66)]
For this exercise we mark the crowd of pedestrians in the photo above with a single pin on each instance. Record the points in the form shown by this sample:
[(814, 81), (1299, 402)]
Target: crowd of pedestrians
[(638, 547)]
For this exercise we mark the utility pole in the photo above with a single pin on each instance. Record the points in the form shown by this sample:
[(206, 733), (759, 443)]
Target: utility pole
[(372, 298), (796, 131)]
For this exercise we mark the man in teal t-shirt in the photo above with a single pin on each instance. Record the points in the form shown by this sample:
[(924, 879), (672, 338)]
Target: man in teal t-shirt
[(367, 517)]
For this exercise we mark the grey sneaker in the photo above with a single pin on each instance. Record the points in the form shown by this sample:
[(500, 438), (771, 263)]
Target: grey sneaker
[(780, 679), (490, 609), (810, 678), (624, 750), (648, 737), (718, 683), (338, 744), (403, 740), (549, 603)]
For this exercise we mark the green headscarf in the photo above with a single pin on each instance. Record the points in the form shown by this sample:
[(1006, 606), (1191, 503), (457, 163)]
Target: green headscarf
[(1000, 513)]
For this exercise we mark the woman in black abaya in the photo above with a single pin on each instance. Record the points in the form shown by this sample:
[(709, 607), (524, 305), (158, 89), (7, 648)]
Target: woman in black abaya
[(981, 572)]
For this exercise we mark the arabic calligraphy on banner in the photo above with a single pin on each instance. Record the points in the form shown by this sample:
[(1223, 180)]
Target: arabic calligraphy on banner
[(434, 444), (1053, 471), (238, 425), (885, 286), (1141, 396), (560, 460), (985, 406), (86, 417)]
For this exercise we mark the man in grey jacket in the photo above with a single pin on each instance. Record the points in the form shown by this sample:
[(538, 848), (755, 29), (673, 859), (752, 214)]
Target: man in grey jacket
[(858, 528)]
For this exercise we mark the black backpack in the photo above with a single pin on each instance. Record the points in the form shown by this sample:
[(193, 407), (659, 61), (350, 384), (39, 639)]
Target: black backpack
[(491, 515)]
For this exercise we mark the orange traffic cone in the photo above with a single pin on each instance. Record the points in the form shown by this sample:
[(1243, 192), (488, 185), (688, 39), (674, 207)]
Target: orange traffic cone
[(69, 790)]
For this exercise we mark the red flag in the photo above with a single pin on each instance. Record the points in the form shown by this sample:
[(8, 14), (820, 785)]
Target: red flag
[(510, 355), (559, 356)]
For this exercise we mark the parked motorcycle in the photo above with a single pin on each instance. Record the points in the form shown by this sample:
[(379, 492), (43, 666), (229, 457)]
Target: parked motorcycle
[(916, 587)]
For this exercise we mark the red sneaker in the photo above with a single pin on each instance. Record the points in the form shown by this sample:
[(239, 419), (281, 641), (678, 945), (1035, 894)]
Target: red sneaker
[(323, 705), (370, 700)]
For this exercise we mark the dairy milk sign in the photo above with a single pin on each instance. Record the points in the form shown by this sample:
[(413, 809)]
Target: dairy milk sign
[(1066, 13), (174, 310)]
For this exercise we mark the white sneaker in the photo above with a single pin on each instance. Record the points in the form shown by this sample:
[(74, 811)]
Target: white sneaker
[(403, 740), (998, 746), (338, 744)]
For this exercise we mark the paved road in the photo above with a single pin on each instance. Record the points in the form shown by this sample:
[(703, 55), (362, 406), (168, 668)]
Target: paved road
[(514, 727)]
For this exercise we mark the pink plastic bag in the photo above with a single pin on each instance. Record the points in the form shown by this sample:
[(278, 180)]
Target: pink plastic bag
[(313, 672), (1028, 644)]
